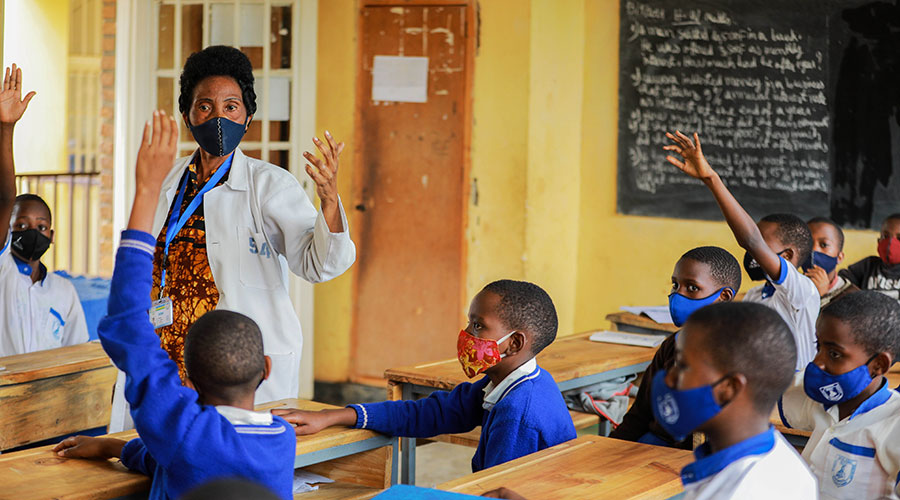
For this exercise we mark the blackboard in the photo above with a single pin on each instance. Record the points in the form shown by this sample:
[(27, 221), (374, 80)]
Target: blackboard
[(797, 103)]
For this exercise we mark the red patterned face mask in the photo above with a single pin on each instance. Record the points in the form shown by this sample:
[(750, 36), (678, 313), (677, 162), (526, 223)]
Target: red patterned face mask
[(889, 250), (476, 354)]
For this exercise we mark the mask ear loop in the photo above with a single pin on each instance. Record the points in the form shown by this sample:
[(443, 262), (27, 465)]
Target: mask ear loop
[(502, 340), (717, 382)]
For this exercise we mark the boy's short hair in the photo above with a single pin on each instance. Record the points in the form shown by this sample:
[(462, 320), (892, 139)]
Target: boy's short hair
[(722, 265), (526, 306), (873, 319), (223, 354), (26, 197), (217, 60), (837, 228), (792, 231), (893, 216), (751, 339)]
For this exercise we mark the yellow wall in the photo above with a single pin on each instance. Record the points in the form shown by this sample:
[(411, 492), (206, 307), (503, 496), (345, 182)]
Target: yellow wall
[(543, 165), (36, 37)]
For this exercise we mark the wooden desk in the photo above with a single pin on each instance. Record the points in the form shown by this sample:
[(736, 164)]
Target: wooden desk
[(629, 322), (588, 467), (358, 460), (574, 362), (51, 393)]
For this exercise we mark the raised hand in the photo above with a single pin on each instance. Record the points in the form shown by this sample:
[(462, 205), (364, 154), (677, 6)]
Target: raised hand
[(324, 172), (157, 152), (12, 106), (693, 162)]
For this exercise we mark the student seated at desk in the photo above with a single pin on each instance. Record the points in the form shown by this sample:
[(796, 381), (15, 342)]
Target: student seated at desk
[(844, 399), (208, 429), (732, 363), (38, 310), (517, 404), (702, 276), (827, 254), (881, 273), (775, 248)]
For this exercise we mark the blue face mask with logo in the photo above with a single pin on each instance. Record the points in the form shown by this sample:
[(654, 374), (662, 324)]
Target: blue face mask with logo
[(681, 412), (680, 307), (218, 136), (826, 262), (829, 389)]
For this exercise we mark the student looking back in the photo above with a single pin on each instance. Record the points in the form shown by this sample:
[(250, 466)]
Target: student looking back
[(208, 429), (517, 404), (702, 276), (38, 310), (828, 253), (881, 273), (775, 247)]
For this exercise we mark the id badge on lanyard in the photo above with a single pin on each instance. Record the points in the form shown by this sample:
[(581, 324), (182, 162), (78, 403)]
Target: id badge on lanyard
[(161, 311)]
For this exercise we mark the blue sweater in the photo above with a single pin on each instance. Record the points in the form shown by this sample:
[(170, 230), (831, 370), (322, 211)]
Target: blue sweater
[(531, 416), (183, 443)]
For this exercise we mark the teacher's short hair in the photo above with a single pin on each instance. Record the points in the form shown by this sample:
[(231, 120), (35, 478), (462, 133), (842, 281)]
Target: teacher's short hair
[(217, 60), (223, 354)]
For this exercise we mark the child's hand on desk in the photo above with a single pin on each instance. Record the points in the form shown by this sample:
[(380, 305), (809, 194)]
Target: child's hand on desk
[(503, 493), (694, 163), (820, 278), (311, 422), (89, 447)]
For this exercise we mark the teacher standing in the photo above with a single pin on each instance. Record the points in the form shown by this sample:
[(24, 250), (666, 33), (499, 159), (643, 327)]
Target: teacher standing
[(230, 226)]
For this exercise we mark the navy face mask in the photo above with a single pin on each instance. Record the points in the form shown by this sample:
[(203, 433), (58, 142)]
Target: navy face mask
[(680, 307), (829, 389), (826, 262), (681, 412), (219, 136)]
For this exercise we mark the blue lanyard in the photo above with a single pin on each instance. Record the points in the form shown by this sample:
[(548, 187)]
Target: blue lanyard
[(177, 219)]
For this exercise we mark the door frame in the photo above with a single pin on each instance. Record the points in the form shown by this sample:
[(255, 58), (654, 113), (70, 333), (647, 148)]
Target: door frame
[(363, 93)]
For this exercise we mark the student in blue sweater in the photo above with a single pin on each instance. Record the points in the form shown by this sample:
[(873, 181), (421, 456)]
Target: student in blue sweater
[(207, 430), (517, 404)]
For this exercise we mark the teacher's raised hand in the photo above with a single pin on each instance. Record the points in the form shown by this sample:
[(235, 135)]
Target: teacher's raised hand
[(324, 173)]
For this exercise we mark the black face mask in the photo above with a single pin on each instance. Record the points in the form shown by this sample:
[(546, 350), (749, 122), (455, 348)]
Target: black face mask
[(754, 270), (29, 244)]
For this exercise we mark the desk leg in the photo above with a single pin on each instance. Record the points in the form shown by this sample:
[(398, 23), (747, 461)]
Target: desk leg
[(395, 461), (408, 448), (604, 427)]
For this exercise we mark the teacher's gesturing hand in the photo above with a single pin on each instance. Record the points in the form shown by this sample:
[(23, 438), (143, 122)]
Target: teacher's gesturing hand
[(324, 174)]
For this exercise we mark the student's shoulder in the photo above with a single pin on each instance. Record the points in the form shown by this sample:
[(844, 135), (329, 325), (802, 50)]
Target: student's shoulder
[(781, 471), (61, 286)]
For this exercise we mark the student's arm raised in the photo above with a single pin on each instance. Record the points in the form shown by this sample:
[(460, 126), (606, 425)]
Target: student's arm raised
[(742, 225), (12, 106)]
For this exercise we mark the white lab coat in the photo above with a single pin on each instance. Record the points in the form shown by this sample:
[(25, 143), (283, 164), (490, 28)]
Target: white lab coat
[(260, 223)]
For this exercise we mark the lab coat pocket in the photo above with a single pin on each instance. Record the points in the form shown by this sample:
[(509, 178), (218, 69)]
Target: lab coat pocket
[(849, 471), (283, 375), (258, 261)]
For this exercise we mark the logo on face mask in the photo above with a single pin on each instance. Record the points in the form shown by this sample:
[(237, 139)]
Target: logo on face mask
[(843, 470), (832, 392), (668, 409)]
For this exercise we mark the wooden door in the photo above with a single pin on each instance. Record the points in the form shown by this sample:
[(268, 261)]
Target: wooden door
[(411, 188)]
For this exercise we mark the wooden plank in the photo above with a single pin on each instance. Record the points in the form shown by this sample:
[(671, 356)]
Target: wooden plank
[(370, 468), (339, 491), (580, 419), (22, 368), (585, 468), (326, 438), (45, 408), (631, 319), (566, 359)]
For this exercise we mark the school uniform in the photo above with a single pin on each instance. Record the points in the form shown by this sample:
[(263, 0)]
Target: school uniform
[(36, 316), (183, 443), (764, 466), (638, 423), (872, 273), (523, 414), (857, 457), (838, 289), (796, 299)]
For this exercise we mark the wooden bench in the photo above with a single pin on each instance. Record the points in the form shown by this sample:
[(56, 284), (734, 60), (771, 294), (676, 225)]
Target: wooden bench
[(588, 467), (51, 393), (358, 460)]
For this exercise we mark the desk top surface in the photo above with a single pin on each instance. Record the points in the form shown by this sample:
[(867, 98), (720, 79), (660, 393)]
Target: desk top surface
[(39, 473), (627, 318), (566, 359), (22, 368), (585, 468)]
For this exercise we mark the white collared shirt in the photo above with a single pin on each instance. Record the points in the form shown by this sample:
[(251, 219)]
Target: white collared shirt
[(35, 316), (857, 457), (240, 416), (492, 395)]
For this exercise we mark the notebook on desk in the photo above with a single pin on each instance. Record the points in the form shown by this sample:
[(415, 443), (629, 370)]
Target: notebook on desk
[(635, 339), (660, 314)]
